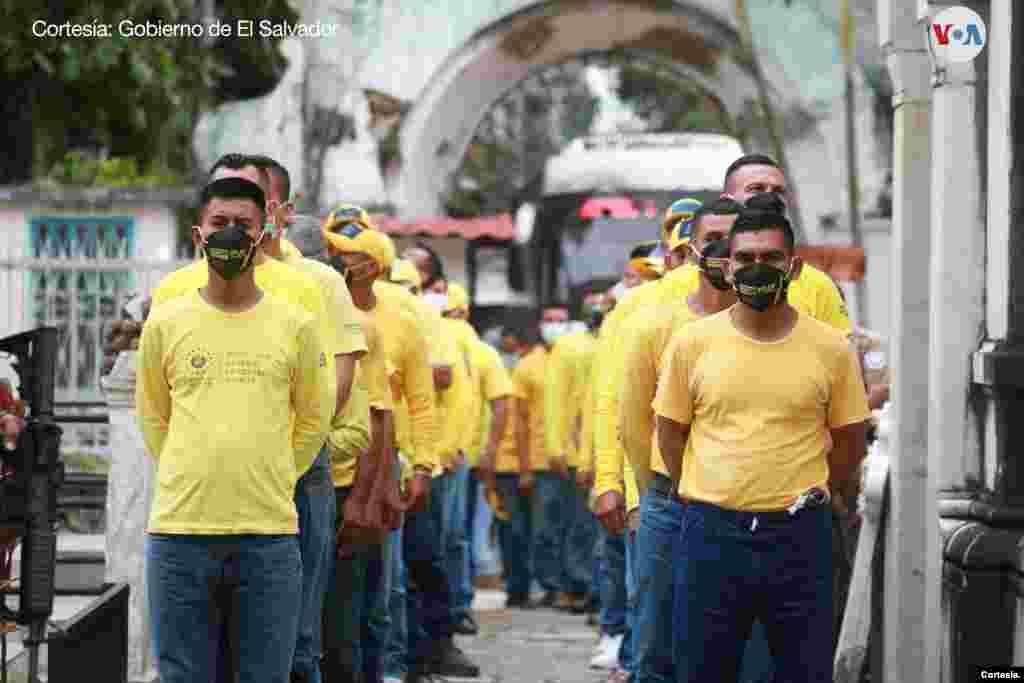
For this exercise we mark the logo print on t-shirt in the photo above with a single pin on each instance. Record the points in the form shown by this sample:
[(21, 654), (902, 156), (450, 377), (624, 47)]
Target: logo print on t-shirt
[(198, 360)]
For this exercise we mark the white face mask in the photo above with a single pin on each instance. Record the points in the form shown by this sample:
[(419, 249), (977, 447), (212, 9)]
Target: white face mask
[(619, 291), (552, 331), (438, 301)]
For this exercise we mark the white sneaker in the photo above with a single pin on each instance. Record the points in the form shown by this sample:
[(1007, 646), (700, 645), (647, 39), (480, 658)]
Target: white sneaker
[(607, 657), (390, 679)]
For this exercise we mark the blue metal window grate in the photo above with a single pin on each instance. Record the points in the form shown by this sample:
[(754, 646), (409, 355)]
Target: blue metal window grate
[(77, 285)]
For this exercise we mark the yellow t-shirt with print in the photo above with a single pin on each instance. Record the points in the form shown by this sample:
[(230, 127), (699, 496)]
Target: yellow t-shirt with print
[(759, 413), (234, 407)]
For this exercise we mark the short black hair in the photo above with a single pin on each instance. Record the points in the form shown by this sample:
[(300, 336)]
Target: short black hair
[(747, 160), (436, 264), (236, 162), (274, 168), (757, 220), (766, 201), (232, 188), (719, 207), (643, 250)]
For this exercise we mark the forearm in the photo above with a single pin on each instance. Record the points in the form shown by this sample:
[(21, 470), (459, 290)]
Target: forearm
[(345, 367), (672, 438), (848, 451), (499, 410), (523, 442)]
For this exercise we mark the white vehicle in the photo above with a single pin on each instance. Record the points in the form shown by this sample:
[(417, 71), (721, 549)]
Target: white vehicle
[(622, 183)]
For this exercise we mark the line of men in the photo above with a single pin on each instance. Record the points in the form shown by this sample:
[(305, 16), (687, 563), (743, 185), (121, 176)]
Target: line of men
[(311, 420), (716, 417), (314, 423)]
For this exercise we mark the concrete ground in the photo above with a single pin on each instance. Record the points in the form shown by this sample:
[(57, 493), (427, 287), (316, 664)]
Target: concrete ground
[(533, 646)]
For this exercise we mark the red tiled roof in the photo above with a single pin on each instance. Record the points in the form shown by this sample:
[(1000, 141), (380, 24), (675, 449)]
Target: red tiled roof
[(499, 227), (844, 264)]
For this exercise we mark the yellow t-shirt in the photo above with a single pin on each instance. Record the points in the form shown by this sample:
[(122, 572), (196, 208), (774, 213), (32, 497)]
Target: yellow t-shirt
[(609, 458), (759, 412), (648, 333), (350, 431), (339, 311), (565, 382), (411, 379), (217, 396), (529, 380), (428, 318), (584, 460), (459, 404), (494, 382)]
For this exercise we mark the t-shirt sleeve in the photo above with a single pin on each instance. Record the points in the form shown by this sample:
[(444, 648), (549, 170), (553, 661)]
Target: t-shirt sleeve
[(674, 399), (848, 402), (830, 308), (348, 331), (494, 379)]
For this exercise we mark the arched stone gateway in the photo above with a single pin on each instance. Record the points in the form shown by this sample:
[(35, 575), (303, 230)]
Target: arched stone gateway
[(448, 61), (697, 37)]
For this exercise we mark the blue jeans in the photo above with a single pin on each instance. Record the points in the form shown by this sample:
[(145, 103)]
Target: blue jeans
[(735, 567), (352, 624), (183, 574), (578, 553), (551, 496), (627, 655), (395, 658), (457, 544), (613, 584), (656, 552), (429, 611), (514, 537), (314, 501), (482, 558)]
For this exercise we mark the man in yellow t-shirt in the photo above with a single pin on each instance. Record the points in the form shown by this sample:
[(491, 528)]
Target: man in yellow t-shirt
[(364, 255), (566, 379), (647, 333), (491, 387), (761, 412), (234, 404), (314, 495)]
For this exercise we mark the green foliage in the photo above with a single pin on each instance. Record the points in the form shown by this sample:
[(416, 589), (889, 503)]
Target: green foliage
[(137, 97), (668, 103), (78, 170)]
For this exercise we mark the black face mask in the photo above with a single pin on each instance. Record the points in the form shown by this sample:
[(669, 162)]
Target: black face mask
[(338, 264), (761, 286), (713, 262), (230, 251)]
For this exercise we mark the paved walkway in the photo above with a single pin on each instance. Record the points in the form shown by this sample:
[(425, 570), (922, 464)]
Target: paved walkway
[(535, 646)]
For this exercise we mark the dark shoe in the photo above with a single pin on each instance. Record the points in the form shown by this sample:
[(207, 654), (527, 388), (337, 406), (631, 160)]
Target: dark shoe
[(564, 602), (549, 600), (467, 626), (520, 602), (297, 677), (578, 604), (421, 678), (592, 619), (449, 660)]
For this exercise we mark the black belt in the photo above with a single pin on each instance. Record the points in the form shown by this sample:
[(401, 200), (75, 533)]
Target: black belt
[(662, 485)]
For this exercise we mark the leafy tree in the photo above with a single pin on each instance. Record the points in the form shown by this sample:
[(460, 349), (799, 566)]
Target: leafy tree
[(668, 103), (135, 99)]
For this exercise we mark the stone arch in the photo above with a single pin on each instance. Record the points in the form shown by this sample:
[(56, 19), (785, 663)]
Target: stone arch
[(697, 37)]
